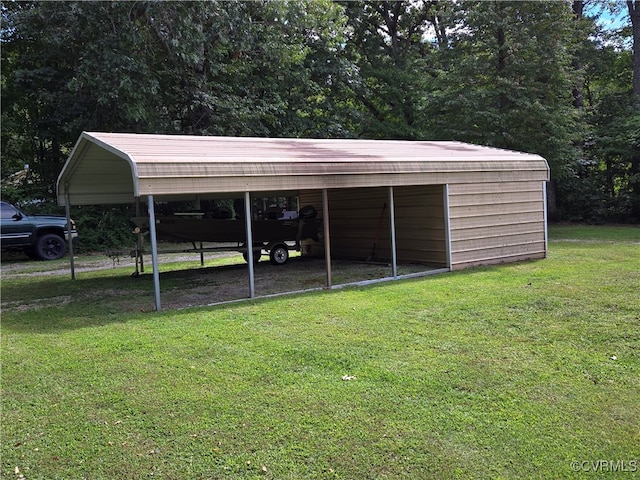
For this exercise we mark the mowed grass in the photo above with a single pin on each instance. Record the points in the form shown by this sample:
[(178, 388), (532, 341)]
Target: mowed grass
[(513, 371)]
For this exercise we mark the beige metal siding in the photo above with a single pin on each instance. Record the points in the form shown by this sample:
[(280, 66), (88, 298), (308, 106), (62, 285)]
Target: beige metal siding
[(489, 223), (354, 216), (420, 226), (104, 175), (496, 222), (173, 186)]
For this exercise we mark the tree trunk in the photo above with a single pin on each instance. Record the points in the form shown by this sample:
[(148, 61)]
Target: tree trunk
[(578, 89), (552, 201), (501, 61), (634, 14)]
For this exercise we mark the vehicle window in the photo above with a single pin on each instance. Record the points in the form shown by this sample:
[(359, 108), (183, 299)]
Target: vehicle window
[(8, 211)]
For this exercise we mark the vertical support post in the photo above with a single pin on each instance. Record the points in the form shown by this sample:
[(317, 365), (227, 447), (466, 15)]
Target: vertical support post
[(447, 229), (139, 241), (394, 254), (546, 228), (154, 251), (327, 234), (67, 208), (247, 216), (199, 207)]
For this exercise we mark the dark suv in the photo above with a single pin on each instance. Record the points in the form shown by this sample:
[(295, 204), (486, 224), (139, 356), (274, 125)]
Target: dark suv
[(40, 236)]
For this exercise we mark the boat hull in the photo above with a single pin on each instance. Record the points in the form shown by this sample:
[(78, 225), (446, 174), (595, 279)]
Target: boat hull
[(180, 229)]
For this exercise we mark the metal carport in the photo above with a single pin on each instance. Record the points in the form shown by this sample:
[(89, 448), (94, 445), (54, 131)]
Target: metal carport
[(109, 168)]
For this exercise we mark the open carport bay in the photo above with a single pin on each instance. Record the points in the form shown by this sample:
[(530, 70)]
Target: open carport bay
[(223, 278)]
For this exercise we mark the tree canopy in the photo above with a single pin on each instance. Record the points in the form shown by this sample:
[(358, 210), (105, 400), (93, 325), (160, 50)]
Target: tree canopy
[(542, 77)]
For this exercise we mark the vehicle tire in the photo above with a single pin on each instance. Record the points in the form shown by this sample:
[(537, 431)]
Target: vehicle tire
[(50, 247), (256, 256), (279, 254)]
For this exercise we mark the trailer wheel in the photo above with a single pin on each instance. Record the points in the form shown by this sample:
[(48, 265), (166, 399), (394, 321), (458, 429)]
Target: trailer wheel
[(256, 256), (279, 254)]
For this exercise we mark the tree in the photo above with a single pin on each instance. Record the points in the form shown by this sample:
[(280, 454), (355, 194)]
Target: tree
[(508, 76), (206, 68), (215, 68), (634, 15), (601, 184), (84, 70), (249, 68), (506, 80), (389, 44), (532, 76)]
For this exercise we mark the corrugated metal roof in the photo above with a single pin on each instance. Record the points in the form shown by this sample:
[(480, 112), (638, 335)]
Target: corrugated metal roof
[(116, 167)]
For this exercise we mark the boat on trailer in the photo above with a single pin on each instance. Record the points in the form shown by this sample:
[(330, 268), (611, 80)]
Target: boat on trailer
[(276, 235)]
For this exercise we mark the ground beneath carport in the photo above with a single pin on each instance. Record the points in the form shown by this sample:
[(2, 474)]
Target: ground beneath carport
[(185, 282)]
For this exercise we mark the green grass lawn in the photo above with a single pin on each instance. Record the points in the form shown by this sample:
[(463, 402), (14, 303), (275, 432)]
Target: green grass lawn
[(514, 371)]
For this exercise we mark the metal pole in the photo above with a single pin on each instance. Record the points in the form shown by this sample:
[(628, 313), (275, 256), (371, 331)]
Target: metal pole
[(154, 251), (327, 236), (67, 208), (447, 227), (394, 256), (199, 207), (546, 230), (247, 216), (139, 240)]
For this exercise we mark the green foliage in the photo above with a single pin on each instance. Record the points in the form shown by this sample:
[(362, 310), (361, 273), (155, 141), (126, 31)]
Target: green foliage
[(389, 46), (610, 167), (507, 81), (534, 76), (501, 372), (601, 185), (106, 228)]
